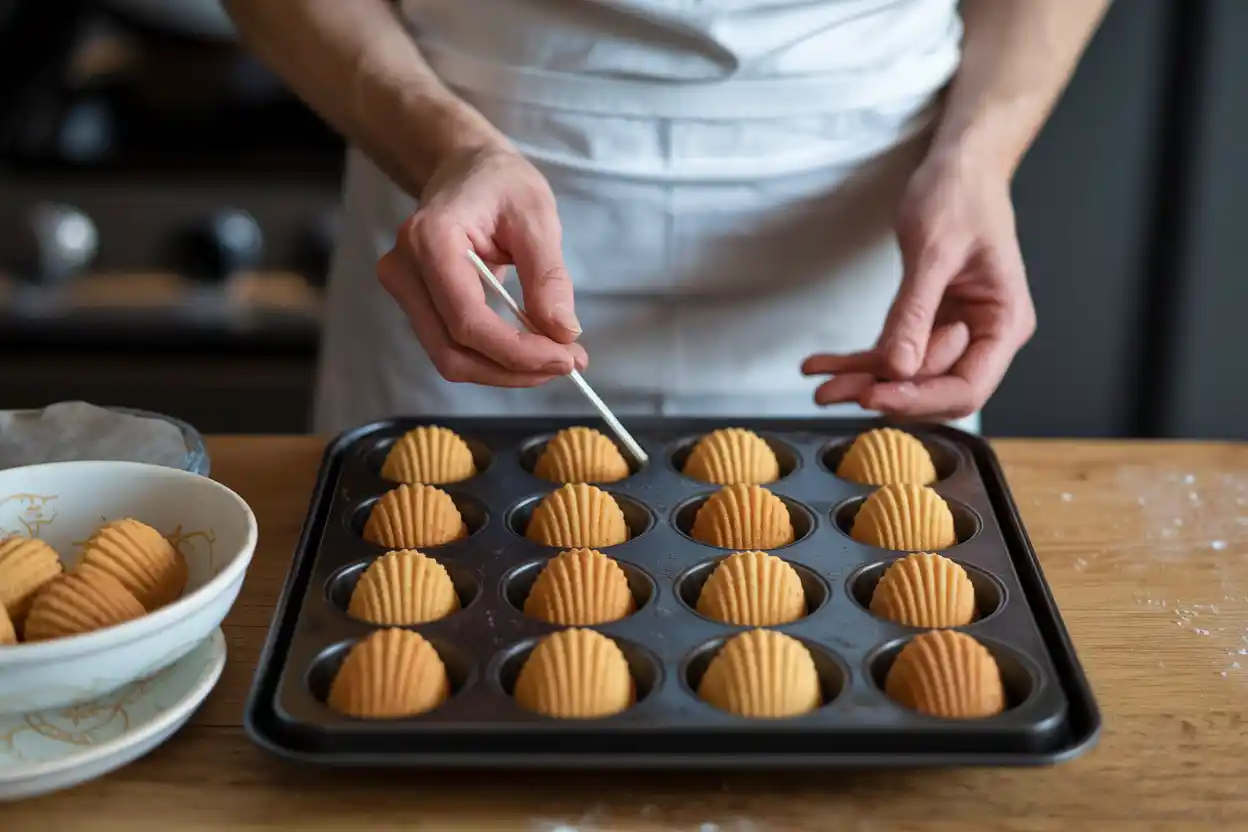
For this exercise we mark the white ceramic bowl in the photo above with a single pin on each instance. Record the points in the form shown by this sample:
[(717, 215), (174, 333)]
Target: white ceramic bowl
[(63, 503)]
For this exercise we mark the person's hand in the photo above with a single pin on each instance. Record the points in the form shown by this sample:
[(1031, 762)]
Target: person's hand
[(963, 309), (494, 202)]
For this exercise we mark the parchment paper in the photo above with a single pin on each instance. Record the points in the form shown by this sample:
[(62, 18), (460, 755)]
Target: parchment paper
[(77, 430)]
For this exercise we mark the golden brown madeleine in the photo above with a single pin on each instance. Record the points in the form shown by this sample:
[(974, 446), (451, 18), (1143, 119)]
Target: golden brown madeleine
[(946, 673), (762, 674), (887, 456), (140, 558), (581, 454), (580, 587), (925, 590), (26, 565), (81, 601), (414, 517), (389, 673), (8, 633), (905, 518), (732, 456), (753, 589), (403, 587), (429, 454), (575, 674), (578, 516), (743, 517)]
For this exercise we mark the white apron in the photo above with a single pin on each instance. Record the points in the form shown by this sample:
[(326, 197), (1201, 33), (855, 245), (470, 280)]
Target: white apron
[(727, 174)]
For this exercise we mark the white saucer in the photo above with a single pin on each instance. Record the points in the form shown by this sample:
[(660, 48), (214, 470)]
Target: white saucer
[(47, 751)]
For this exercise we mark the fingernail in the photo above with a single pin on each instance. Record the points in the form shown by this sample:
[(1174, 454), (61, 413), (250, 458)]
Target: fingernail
[(563, 315), (557, 368), (907, 389)]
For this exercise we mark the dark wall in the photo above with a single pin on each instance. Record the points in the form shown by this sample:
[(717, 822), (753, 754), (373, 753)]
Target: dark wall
[(1085, 198), (1132, 209), (1207, 371)]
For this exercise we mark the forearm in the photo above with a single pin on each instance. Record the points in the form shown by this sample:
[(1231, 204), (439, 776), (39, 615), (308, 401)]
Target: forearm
[(353, 62), (1018, 56)]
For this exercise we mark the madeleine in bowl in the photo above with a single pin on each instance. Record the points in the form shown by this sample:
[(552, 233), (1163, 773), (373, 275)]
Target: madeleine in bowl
[(111, 615)]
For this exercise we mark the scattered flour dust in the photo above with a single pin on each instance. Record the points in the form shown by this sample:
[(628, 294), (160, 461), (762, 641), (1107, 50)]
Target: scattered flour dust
[(736, 825), (1229, 644), (599, 818), (1180, 514), (1213, 514)]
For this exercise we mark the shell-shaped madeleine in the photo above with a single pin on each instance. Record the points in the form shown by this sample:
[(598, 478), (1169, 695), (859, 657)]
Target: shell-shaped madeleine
[(26, 565), (753, 589), (80, 601), (905, 517), (732, 456), (887, 456), (429, 454), (743, 517), (579, 587), (762, 674), (575, 674), (403, 587), (581, 454), (8, 633), (946, 673), (578, 516), (414, 516), (925, 590), (390, 673), (140, 558)]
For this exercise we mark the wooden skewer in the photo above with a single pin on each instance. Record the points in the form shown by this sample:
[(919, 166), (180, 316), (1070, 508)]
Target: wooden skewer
[(624, 436)]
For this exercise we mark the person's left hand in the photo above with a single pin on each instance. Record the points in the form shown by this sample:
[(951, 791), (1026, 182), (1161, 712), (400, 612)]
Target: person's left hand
[(963, 309)]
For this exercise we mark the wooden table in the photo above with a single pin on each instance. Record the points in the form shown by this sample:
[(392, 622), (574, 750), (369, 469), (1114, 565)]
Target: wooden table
[(1145, 545)]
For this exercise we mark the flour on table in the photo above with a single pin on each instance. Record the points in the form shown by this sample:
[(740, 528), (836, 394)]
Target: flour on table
[(1186, 615), (595, 817), (1179, 515)]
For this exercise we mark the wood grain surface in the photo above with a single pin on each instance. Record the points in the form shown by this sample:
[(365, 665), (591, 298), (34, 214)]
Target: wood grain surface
[(1144, 544)]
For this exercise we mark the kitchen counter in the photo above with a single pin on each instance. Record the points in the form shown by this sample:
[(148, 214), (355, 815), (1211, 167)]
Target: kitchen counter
[(1145, 546)]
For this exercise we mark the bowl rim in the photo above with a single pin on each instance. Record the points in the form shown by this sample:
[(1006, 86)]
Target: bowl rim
[(120, 634)]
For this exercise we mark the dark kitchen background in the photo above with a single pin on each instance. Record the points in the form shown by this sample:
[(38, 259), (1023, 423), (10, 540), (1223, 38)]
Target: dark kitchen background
[(167, 212)]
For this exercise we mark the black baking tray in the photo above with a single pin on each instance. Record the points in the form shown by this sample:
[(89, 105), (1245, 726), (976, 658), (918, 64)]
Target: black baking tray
[(1052, 715)]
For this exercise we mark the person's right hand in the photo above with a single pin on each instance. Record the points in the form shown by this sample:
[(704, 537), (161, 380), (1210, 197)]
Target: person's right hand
[(494, 202)]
